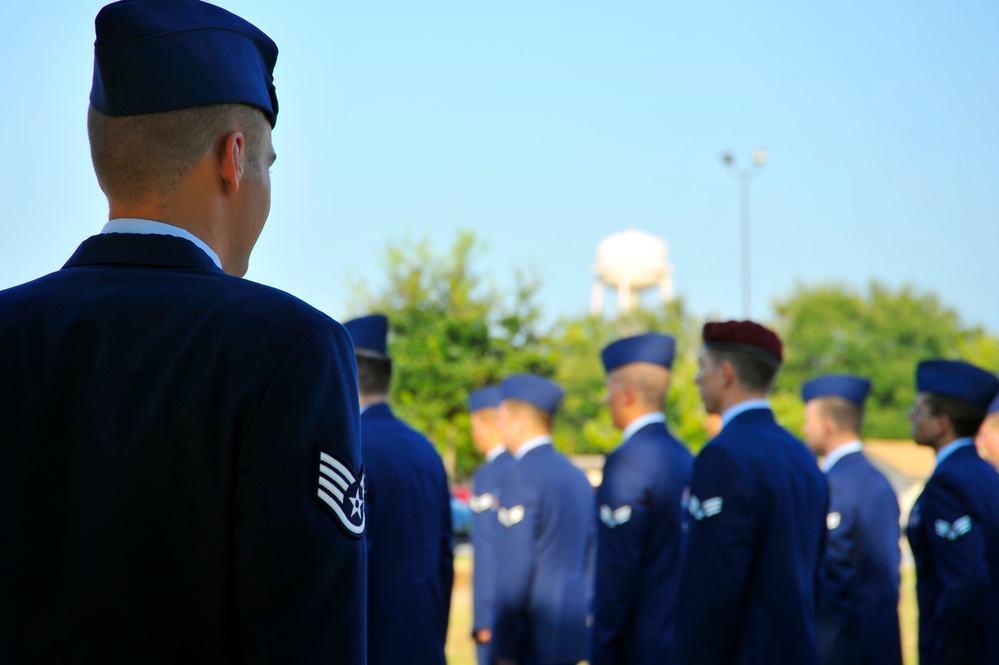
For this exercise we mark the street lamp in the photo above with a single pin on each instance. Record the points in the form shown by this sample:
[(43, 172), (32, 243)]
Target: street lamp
[(759, 158)]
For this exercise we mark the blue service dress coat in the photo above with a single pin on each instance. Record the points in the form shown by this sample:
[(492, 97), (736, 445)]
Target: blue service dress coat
[(954, 533), (543, 561), (757, 531), (639, 549), (164, 427), (410, 567), (858, 596), (485, 528)]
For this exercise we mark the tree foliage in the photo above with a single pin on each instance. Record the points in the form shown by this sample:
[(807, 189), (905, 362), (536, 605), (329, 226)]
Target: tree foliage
[(451, 333), (879, 333)]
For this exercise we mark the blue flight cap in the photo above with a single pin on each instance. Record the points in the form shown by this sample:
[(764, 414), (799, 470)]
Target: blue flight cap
[(162, 55), (850, 388), (532, 389), (961, 380), (369, 333), (484, 398), (651, 348), (994, 406)]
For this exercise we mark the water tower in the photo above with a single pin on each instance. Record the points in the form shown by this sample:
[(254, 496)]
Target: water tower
[(631, 262)]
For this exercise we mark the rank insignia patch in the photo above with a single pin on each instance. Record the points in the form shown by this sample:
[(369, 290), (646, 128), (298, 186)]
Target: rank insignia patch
[(613, 518), (482, 502), (953, 531), (701, 510), (510, 516), (342, 492)]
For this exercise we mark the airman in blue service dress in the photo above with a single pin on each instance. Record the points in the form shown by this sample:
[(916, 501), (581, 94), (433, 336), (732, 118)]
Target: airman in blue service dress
[(954, 525), (544, 551), (858, 595), (408, 505), (485, 492), (639, 505), (757, 519), (166, 427)]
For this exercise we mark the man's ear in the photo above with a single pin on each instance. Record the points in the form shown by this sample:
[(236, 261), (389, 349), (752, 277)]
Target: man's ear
[(231, 164), (728, 372)]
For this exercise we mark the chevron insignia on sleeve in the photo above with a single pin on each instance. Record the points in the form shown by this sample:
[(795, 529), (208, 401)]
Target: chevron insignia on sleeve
[(481, 502), (510, 516), (961, 526), (702, 510), (341, 491), (613, 518), (833, 520)]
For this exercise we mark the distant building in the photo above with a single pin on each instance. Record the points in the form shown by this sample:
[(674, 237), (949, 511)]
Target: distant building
[(630, 263)]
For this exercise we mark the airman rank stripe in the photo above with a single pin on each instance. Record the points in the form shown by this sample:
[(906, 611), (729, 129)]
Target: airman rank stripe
[(702, 510), (341, 491), (953, 531), (482, 502), (613, 518), (510, 516)]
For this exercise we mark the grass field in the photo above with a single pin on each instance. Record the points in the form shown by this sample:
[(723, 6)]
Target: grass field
[(461, 649)]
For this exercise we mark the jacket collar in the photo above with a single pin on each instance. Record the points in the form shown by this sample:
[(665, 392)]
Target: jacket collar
[(141, 250)]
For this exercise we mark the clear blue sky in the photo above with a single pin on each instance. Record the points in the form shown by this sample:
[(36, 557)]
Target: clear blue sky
[(546, 126)]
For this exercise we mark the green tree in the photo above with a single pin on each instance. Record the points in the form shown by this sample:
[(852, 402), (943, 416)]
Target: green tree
[(451, 333), (879, 333)]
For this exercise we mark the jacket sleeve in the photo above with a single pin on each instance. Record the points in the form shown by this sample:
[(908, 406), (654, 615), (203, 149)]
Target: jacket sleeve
[(724, 518), (517, 518), (300, 569), (956, 540), (838, 577), (621, 524), (446, 560)]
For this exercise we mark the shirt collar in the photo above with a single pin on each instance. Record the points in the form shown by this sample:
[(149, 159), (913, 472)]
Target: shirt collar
[(640, 422), (149, 227), (841, 452), (531, 444), (949, 449), (495, 452), (733, 411)]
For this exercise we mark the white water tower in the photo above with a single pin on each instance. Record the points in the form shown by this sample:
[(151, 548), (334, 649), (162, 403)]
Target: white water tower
[(630, 263)]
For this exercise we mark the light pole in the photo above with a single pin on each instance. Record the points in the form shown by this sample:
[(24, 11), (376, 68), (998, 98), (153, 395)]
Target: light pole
[(759, 158)]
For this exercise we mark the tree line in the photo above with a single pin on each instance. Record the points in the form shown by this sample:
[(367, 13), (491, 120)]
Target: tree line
[(452, 332)]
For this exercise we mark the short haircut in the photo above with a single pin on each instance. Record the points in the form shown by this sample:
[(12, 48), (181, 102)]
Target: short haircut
[(965, 418), (540, 417), (650, 382), (139, 156), (374, 375), (753, 372), (847, 415)]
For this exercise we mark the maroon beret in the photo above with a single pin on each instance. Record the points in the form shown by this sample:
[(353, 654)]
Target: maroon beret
[(745, 336)]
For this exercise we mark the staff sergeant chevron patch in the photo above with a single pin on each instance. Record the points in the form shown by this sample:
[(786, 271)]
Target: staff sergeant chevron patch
[(961, 526), (510, 516), (702, 510), (341, 491), (613, 518)]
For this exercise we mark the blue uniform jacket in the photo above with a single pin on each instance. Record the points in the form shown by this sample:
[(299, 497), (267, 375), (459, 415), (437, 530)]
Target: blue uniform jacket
[(543, 561), (858, 597), (757, 531), (639, 549), (410, 567), (954, 534), (161, 427), (485, 486)]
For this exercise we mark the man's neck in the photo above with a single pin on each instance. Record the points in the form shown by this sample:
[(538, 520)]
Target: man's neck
[(838, 441), (371, 400), (738, 395)]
